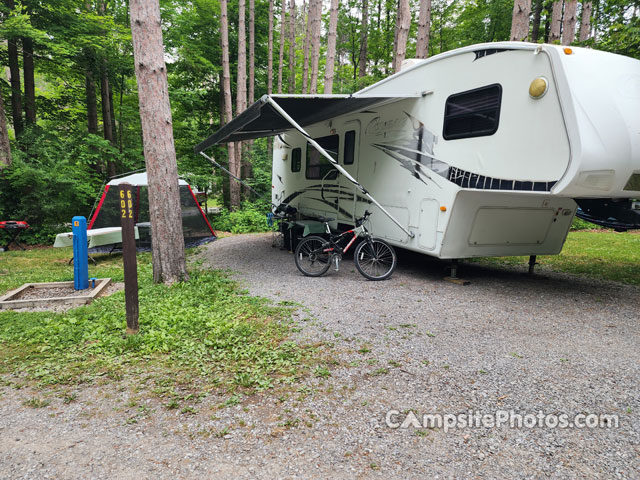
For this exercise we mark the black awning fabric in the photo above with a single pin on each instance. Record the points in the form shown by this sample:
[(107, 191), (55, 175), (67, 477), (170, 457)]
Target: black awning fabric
[(262, 120)]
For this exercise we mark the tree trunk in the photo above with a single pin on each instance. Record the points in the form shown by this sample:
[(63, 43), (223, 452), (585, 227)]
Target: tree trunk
[(307, 41), (292, 46), (241, 102), (281, 56), (167, 239), (316, 8), (5, 146), (403, 22), (331, 47), (569, 22), (556, 22), (424, 28), (14, 72), (29, 81), (270, 51), (92, 102), (585, 22), (107, 126), (537, 16), (362, 61), (114, 127), (234, 190), (520, 20), (252, 50)]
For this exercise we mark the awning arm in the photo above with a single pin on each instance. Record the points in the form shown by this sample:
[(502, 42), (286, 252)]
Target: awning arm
[(339, 167), (229, 173)]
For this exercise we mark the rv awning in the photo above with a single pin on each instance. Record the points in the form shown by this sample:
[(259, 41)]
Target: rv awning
[(262, 120)]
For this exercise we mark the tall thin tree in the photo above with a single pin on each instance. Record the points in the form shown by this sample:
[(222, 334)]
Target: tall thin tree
[(424, 29), (403, 22), (520, 20), (14, 72), (252, 50), (29, 80), (364, 31), (307, 41), (292, 46), (167, 240), (241, 98), (5, 146), (556, 22), (270, 51), (316, 9), (283, 23), (585, 21), (537, 17), (569, 22), (331, 47)]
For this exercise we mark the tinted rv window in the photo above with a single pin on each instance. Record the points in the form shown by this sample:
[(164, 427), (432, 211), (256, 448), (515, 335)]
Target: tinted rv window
[(475, 113), (317, 165), (296, 159), (349, 147)]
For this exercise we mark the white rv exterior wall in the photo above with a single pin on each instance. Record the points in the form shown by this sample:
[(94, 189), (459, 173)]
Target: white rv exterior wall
[(555, 138)]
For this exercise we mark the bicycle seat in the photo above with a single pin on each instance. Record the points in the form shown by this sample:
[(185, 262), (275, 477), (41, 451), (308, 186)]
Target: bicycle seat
[(325, 219)]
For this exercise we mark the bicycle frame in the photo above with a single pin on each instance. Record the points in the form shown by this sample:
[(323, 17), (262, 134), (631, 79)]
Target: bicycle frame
[(358, 231)]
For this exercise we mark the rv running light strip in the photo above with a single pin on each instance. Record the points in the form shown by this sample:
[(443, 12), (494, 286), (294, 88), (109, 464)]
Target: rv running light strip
[(295, 125), (229, 173)]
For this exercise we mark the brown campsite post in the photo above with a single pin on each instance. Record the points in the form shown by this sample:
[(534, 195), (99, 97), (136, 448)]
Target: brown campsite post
[(127, 221)]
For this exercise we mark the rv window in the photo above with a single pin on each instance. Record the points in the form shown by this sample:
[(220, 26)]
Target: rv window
[(349, 147), (317, 165), (475, 113), (296, 159)]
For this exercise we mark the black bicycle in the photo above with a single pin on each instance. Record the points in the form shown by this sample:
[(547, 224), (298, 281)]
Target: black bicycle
[(375, 259)]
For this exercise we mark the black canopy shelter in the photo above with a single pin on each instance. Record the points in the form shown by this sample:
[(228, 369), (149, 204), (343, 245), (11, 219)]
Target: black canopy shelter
[(262, 120)]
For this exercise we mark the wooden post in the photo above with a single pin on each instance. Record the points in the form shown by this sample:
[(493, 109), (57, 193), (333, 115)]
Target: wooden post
[(127, 221)]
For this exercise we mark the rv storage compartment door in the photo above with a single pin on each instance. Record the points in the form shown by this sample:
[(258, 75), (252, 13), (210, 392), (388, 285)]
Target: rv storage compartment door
[(428, 223), (511, 226)]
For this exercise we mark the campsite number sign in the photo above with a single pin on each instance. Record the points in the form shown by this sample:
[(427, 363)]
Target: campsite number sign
[(126, 205), (129, 257)]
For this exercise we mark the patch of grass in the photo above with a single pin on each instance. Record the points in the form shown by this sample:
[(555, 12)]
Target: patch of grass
[(36, 402), (204, 332), (603, 255)]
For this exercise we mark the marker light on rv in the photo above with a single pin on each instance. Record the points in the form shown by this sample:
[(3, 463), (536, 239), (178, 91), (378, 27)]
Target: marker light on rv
[(567, 51), (538, 87), (443, 208)]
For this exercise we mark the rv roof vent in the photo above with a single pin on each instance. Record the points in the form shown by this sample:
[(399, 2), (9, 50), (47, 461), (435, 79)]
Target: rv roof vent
[(410, 62)]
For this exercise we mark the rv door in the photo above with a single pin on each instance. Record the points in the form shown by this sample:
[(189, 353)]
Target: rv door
[(348, 198)]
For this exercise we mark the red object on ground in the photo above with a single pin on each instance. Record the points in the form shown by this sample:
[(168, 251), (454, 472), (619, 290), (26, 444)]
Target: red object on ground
[(17, 228)]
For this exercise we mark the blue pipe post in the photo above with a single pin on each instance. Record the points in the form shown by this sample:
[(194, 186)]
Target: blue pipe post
[(80, 254)]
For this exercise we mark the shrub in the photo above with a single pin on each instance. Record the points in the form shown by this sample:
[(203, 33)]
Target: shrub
[(251, 218)]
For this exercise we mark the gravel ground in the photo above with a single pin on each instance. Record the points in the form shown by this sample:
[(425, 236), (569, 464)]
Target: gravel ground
[(554, 343)]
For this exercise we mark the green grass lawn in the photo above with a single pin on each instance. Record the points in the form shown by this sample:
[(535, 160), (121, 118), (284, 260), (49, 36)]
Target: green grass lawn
[(603, 255), (204, 332)]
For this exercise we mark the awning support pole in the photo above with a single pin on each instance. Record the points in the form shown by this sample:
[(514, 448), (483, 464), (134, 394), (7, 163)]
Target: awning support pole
[(295, 125), (229, 173)]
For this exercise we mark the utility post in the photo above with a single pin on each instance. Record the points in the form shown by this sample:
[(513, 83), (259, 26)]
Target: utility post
[(127, 221)]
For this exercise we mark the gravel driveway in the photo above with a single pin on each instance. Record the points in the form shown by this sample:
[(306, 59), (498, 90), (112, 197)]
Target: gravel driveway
[(507, 343)]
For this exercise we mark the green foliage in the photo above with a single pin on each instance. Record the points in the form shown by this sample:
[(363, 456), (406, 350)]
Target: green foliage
[(205, 328), (249, 219), (50, 182)]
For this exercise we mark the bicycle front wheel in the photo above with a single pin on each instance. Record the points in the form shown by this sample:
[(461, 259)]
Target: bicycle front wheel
[(375, 259), (311, 259)]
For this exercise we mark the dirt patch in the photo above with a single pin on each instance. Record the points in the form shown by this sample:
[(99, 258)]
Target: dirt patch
[(54, 292)]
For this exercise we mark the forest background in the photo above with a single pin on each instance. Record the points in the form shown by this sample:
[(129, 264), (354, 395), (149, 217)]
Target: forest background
[(69, 106)]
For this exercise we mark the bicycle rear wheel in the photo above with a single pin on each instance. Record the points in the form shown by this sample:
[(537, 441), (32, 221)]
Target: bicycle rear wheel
[(310, 257), (375, 259)]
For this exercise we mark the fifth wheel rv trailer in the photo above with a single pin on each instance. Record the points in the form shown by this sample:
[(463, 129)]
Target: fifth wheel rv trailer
[(480, 151)]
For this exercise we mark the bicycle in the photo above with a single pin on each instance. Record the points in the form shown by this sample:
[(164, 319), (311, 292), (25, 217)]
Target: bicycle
[(375, 259)]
